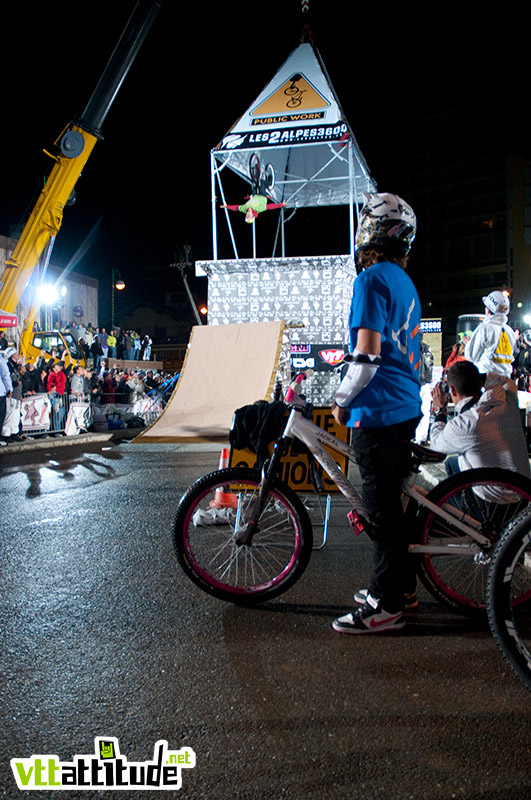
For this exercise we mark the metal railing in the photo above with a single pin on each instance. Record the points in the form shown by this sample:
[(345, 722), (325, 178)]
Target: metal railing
[(69, 414)]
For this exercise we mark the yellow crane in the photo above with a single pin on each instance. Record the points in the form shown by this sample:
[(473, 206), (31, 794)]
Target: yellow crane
[(73, 148)]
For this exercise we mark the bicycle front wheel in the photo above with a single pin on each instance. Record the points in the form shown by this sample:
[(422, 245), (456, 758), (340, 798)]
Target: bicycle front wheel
[(210, 516), (510, 573), (487, 499)]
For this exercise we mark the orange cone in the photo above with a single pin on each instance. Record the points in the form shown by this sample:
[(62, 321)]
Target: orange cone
[(223, 499)]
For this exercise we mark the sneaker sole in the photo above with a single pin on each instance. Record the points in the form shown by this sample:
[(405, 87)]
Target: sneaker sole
[(398, 626)]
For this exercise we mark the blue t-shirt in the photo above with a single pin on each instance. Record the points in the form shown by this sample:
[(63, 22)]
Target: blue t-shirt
[(385, 300)]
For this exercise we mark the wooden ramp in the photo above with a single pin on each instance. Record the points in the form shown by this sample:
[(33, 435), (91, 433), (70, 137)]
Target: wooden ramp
[(226, 367)]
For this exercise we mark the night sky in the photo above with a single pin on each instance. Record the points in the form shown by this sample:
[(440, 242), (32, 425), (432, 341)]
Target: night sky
[(145, 190)]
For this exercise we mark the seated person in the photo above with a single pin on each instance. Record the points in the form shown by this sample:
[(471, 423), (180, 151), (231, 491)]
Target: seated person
[(486, 430)]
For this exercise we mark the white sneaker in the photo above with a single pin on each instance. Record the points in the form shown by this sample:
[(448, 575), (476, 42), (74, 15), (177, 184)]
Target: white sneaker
[(213, 516), (368, 619)]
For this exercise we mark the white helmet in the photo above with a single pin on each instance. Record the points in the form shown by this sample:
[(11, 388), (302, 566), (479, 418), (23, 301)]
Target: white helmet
[(497, 303), (388, 222)]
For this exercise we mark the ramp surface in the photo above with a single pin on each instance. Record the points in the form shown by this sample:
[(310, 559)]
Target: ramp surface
[(226, 367)]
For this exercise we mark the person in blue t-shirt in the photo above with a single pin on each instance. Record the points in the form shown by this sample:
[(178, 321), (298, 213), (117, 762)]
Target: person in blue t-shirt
[(379, 398)]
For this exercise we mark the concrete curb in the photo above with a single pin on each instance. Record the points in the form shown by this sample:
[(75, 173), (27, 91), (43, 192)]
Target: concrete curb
[(55, 441), (116, 437)]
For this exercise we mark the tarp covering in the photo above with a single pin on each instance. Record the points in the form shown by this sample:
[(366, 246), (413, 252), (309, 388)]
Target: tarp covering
[(297, 125), (226, 367)]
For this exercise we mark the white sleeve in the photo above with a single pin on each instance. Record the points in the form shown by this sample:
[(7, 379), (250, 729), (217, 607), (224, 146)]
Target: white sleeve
[(361, 371)]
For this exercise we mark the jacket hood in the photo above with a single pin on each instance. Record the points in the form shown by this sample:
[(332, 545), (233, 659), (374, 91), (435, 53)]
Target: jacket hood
[(497, 319)]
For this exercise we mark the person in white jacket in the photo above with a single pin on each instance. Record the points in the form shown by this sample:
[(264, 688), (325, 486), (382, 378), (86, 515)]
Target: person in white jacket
[(6, 387), (492, 345), (486, 430)]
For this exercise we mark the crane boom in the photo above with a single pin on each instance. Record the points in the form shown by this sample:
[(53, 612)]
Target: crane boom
[(74, 147)]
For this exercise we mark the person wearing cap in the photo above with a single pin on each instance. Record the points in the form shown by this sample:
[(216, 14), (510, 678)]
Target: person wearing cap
[(492, 345), (379, 398)]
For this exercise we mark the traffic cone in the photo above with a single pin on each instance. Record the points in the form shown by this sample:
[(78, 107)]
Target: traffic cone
[(223, 499)]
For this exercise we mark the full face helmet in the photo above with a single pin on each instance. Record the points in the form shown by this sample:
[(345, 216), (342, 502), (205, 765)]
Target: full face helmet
[(386, 222), (497, 303)]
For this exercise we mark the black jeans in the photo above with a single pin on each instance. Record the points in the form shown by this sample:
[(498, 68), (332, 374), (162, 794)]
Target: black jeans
[(384, 459)]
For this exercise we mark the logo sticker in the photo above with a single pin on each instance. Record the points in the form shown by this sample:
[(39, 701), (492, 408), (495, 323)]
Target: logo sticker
[(105, 769), (331, 357)]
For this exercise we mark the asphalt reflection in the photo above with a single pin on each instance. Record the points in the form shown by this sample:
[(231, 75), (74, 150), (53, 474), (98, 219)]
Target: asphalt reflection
[(49, 471)]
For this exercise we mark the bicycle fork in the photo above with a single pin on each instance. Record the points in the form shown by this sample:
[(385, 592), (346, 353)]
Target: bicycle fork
[(257, 505)]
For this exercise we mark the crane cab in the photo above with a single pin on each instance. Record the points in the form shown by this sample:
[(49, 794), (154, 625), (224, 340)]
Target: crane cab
[(58, 341)]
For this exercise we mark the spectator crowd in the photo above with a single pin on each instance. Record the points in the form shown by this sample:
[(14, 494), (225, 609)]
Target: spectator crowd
[(64, 384), (97, 343)]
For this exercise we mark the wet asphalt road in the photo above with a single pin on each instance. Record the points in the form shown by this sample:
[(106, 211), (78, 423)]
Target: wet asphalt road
[(101, 635)]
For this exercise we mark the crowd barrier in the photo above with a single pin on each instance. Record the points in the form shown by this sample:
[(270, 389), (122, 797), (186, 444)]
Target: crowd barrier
[(41, 414)]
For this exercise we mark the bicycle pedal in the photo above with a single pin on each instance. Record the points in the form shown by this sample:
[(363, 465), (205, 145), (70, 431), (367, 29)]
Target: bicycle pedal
[(355, 521)]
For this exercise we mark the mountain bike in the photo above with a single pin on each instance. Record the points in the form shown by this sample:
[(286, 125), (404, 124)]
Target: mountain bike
[(244, 536), (262, 177), (510, 573)]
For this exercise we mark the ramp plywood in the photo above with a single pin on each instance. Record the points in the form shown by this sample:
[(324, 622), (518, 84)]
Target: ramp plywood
[(226, 367)]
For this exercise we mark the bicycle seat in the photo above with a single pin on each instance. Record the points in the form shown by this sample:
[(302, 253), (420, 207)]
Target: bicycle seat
[(425, 455)]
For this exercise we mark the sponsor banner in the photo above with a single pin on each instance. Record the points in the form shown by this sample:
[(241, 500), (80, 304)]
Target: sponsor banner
[(300, 93), (308, 134), (320, 358), (8, 320), (430, 326), (295, 467), (35, 412), (79, 418)]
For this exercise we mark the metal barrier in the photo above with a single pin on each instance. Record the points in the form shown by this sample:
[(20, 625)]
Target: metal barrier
[(53, 413)]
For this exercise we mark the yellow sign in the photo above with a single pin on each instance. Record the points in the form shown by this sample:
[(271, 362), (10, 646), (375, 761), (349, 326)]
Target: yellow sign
[(295, 469), (296, 94)]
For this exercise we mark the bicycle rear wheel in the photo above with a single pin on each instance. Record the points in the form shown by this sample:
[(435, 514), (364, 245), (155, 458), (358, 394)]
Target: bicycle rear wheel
[(510, 574), (208, 519), (492, 498)]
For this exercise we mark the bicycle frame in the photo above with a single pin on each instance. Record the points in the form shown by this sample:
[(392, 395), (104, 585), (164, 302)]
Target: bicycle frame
[(315, 438)]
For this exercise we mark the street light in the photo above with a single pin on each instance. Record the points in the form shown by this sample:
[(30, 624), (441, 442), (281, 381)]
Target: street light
[(49, 296), (117, 283)]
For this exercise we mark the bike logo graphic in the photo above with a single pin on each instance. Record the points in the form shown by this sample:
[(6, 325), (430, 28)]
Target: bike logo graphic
[(105, 769), (295, 94)]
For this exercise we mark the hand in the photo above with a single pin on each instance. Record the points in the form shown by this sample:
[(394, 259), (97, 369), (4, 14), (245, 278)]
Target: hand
[(438, 396), (339, 414)]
